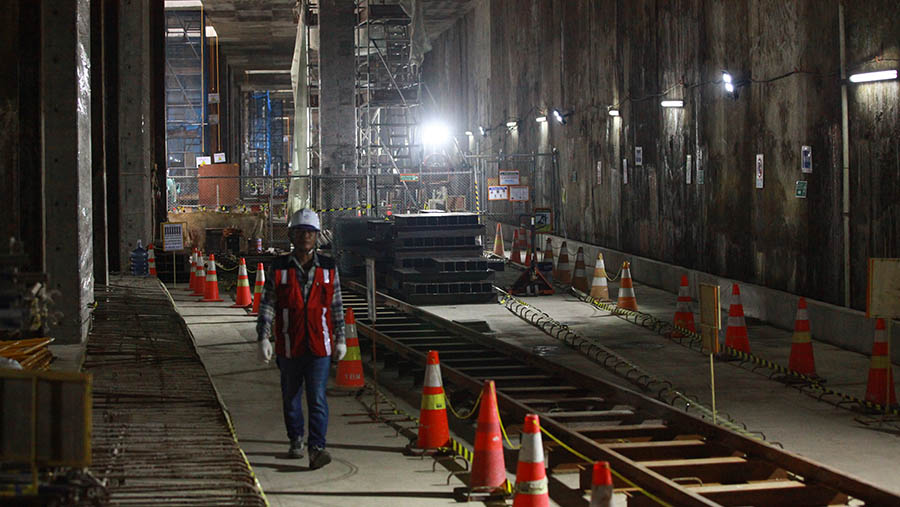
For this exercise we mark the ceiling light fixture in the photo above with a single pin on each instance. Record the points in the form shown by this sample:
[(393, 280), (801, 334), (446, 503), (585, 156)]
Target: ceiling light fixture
[(613, 111), (541, 119), (672, 103)]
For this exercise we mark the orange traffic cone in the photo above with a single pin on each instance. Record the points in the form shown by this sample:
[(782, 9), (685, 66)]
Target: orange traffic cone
[(433, 430), (242, 299), (498, 242), (548, 251), (736, 333), (201, 278), (626, 289), (527, 244), (488, 466), (601, 485), (151, 259), (531, 478), (211, 286), (515, 255), (684, 317), (579, 279), (349, 370), (258, 288), (599, 286), (563, 271), (193, 272), (881, 376), (802, 360)]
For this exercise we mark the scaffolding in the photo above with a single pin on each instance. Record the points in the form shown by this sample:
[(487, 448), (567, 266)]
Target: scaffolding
[(388, 105), (184, 90)]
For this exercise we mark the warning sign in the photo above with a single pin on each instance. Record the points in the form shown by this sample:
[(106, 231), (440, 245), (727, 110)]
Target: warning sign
[(518, 193), (498, 193), (543, 220), (173, 236), (509, 177)]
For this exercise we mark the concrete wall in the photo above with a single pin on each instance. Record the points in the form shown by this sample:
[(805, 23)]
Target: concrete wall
[(510, 59)]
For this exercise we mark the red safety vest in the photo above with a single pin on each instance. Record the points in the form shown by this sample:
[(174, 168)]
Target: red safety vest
[(300, 325)]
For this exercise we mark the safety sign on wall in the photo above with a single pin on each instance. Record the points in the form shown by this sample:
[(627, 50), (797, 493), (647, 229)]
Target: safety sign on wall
[(204, 161), (543, 220), (518, 193), (173, 236), (498, 193), (760, 170), (219, 158), (509, 177), (687, 169), (806, 159), (624, 171), (599, 172), (638, 156)]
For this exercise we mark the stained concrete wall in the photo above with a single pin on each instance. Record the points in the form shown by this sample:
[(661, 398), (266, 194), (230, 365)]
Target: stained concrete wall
[(510, 59), (66, 102)]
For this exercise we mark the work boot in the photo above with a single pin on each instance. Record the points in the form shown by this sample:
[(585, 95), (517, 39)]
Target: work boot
[(318, 458), (296, 450)]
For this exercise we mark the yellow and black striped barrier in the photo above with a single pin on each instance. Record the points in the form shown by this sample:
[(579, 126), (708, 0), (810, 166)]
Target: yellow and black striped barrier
[(351, 208)]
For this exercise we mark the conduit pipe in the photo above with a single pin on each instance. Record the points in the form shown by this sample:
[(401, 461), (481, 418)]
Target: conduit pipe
[(845, 158)]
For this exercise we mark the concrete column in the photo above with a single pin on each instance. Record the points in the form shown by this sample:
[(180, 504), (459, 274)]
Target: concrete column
[(66, 99), (135, 135), (337, 107)]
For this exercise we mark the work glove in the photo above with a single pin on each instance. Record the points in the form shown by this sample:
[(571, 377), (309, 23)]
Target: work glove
[(340, 350), (265, 350)]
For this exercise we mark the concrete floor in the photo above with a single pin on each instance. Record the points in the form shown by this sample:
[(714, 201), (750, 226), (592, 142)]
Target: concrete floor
[(368, 463), (814, 429)]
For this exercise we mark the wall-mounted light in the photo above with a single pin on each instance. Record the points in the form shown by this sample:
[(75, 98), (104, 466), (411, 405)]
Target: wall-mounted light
[(560, 116), (728, 81), (672, 103), (469, 133), (867, 77), (513, 124), (613, 111), (483, 132), (541, 119), (211, 32)]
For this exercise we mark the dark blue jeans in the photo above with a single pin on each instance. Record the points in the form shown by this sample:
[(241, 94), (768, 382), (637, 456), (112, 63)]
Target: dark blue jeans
[(294, 372)]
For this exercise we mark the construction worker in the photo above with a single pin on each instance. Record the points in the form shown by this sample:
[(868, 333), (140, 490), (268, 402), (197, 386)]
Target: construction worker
[(302, 300)]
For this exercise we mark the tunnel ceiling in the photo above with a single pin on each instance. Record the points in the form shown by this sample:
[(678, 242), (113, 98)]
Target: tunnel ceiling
[(259, 34)]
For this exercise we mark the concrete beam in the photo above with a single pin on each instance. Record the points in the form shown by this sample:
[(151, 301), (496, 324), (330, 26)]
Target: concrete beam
[(66, 99), (135, 136), (98, 144)]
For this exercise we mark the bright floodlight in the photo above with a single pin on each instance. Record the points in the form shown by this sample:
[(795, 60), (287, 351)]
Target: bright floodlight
[(614, 112), (672, 103), (512, 124), (541, 119), (482, 131), (469, 133), (558, 116), (726, 77), (881, 75), (435, 134), (729, 87)]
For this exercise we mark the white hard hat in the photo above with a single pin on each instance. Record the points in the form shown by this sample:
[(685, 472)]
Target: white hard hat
[(304, 218)]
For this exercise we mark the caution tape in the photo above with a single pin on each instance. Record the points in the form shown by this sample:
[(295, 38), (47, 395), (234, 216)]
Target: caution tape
[(352, 208), (811, 383)]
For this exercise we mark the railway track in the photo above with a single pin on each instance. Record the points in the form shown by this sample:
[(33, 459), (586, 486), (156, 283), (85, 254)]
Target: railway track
[(680, 459)]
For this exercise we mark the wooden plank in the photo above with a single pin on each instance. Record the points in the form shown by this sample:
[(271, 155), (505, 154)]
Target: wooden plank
[(781, 492), (589, 415), (629, 431), (721, 469), (668, 449)]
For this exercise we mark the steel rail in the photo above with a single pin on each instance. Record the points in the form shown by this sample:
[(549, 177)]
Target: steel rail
[(807, 479)]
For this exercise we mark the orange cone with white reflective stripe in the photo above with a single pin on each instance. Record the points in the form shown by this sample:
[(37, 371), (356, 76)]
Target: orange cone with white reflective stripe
[(151, 259), (736, 332), (881, 376), (802, 360), (626, 290), (531, 477), (498, 242), (599, 285), (516, 255), (258, 288), (200, 281), (193, 278), (211, 287), (684, 317), (488, 466), (563, 271), (433, 430), (350, 370), (527, 244), (242, 299), (548, 251), (579, 279), (601, 485)]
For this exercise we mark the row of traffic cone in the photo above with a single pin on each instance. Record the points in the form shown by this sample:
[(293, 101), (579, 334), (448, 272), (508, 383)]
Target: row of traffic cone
[(488, 471), (880, 388)]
